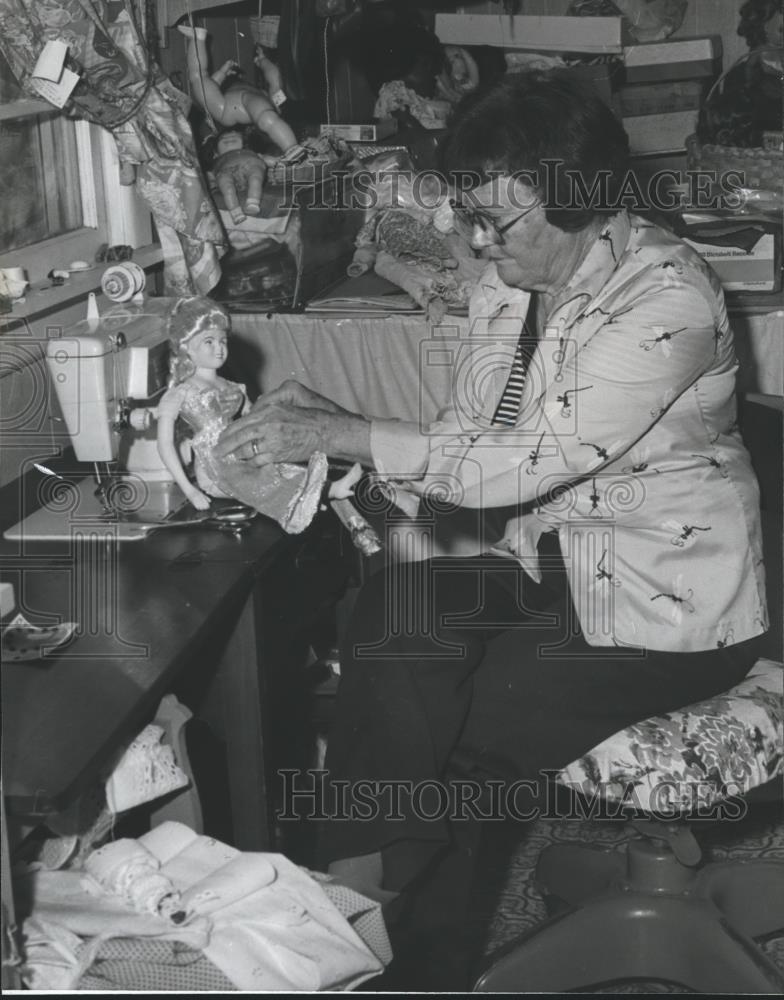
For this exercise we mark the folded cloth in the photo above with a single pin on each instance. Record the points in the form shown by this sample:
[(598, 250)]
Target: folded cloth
[(131, 872), (157, 965), (54, 956), (260, 920)]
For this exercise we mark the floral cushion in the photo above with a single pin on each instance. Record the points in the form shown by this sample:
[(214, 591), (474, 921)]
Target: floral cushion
[(694, 758)]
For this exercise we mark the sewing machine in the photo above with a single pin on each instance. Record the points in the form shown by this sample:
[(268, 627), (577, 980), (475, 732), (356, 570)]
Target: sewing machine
[(109, 373)]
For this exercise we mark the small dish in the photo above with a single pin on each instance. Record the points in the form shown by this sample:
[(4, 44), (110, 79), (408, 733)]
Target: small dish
[(23, 641)]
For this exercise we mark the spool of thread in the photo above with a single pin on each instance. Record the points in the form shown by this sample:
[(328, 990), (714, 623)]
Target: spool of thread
[(121, 282)]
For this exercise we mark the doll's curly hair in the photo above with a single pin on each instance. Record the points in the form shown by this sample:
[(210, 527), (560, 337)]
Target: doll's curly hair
[(754, 15), (189, 316), (252, 139)]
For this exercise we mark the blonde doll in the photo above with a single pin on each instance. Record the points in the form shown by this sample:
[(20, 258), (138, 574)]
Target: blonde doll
[(198, 330)]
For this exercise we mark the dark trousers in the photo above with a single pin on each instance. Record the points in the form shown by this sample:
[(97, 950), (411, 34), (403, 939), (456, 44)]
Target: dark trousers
[(456, 671)]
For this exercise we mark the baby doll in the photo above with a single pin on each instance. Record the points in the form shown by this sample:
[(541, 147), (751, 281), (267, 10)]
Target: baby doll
[(290, 494), (239, 103), (238, 170)]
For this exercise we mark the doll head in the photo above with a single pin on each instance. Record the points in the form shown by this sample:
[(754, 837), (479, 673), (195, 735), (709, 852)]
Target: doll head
[(188, 317), (214, 144), (229, 141)]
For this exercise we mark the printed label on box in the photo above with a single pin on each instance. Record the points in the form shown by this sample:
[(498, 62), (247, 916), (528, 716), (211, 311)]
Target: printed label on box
[(739, 271)]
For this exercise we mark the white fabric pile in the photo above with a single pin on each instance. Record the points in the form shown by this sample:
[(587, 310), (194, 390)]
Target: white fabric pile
[(258, 918)]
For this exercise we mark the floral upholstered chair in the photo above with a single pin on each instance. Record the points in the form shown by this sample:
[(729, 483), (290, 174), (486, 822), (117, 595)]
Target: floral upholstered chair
[(651, 913)]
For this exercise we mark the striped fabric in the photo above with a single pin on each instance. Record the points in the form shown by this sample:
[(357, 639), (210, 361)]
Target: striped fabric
[(509, 405)]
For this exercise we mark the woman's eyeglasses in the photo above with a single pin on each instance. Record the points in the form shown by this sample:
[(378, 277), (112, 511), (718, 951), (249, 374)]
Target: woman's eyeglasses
[(469, 219)]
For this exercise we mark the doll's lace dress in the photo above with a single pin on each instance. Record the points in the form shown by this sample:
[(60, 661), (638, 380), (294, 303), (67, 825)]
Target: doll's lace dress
[(288, 493)]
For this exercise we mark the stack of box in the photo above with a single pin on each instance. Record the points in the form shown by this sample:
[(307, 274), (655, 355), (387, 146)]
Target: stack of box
[(520, 36), (665, 84)]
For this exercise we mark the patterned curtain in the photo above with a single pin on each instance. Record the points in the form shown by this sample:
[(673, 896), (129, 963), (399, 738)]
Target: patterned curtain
[(125, 91)]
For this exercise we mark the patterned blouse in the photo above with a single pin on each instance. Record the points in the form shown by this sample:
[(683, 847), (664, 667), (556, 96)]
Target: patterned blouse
[(626, 443)]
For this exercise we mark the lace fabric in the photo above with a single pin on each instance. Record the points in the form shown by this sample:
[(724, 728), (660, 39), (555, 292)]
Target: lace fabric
[(126, 869), (146, 771)]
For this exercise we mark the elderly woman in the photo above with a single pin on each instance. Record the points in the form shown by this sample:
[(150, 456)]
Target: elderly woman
[(617, 571)]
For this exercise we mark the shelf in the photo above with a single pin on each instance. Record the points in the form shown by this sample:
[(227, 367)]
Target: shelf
[(44, 298), (171, 11)]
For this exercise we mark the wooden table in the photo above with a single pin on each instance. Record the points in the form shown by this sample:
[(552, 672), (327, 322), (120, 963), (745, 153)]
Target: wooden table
[(179, 608)]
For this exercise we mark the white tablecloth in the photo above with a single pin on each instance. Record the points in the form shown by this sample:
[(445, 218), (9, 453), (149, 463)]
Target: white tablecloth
[(387, 366)]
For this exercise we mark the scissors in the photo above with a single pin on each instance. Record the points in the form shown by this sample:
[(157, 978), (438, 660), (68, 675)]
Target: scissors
[(233, 518)]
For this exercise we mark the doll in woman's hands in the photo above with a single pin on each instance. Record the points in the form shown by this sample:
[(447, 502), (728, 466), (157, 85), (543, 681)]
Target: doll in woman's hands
[(198, 330)]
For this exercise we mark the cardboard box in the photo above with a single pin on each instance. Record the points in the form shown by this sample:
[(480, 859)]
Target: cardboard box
[(537, 34), (362, 132), (679, 59), (659, 133), (660, 98), (738, 271)]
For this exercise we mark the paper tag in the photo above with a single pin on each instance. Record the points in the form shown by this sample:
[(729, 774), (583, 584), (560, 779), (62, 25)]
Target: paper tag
[(56, 93), (51, 61)]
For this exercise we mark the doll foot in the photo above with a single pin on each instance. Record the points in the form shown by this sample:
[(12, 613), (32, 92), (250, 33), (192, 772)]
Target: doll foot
[(237, 215), (190, 32), (252, 207), (344, 487)]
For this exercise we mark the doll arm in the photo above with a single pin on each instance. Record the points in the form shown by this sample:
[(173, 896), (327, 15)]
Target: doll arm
[(168, 452), (229, 68)]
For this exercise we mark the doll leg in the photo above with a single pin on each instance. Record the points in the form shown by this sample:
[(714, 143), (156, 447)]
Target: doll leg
[(271, 74), (204, 88), (255, 183), (268, 121), (226, 187)]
